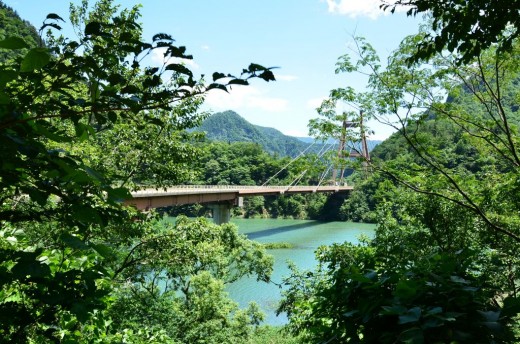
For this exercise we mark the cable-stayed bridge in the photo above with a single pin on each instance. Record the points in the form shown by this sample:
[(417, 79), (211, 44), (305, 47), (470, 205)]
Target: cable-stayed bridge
[(221, 198)]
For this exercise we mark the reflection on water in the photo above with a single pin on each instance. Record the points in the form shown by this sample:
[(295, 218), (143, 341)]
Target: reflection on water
[(306, 236), (257, 235)]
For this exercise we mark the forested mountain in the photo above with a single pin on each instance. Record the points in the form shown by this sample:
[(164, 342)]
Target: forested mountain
[(12, 25), (228, 126)]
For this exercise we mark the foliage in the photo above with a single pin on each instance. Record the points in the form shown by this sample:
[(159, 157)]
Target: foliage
[(273, 335), (181, 290), (480, 117), (466, 27), (430, 275), (277, 245), (14, 26), (352, 298), (238, 163), (64, 234), (443, 265)]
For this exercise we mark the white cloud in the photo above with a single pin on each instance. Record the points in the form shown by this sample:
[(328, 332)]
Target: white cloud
[(315, 102), (158, 59), (360, 8), (205, 47), (285, 77), (245, 97), (296, 132)]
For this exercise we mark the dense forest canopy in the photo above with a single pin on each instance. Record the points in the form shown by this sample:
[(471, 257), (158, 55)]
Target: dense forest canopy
[(443, 266), (77, 266), (84, 121), (11, 25)]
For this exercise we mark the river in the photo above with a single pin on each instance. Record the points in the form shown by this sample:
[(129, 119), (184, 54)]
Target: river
[(306, 236)]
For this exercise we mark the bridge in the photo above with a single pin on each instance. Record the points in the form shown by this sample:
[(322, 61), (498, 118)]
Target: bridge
[(220, 197)]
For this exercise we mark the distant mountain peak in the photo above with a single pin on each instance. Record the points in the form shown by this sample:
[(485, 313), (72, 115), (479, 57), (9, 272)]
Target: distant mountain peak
[(229, 126)]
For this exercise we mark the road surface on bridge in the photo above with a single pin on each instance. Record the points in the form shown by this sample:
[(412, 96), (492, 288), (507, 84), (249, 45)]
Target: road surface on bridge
[(191, 194)]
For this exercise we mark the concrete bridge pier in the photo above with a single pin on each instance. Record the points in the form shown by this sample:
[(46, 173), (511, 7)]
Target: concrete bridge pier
[(222, 211)]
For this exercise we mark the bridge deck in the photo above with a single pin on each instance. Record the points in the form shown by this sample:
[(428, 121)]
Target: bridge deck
[(190, 194)]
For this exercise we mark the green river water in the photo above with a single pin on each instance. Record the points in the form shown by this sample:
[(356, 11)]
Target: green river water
[(306, 236)]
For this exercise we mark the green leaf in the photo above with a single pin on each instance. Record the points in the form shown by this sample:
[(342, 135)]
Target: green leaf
[(412, 336), (104, 250), (253, 67), (267, 76), (83, 131), (406, 289), (130, 89), (490, 316), (13, 43), (30, 268), (151, 71), (351, 313), (238, 82), (393, 310), (38, 196), (93, 28), (4, 98), (412, 315), (36, 58), (432, 323), (118, 194), (511, 307), (86, 214), (162, 36), (179, 69), (434, 310), (112, 116), (54, 16), (116, 79), (51, 135), (218, 75), (93, 174), (6, 76), (217, 86), (458, 279), (56, 26), (73, 241), (80, 311)]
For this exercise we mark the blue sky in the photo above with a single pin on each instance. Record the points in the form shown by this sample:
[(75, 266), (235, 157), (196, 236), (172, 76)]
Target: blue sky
[(303, 38)]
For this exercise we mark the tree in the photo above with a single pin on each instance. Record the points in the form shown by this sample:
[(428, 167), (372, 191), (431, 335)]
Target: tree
[(181, 290), (62, 225), (468, 27), (13, 25), (448, 223), (352, 297), (410, 98)]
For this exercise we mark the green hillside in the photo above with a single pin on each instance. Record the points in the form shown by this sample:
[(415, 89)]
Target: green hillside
[(12, 25), (228, 126)]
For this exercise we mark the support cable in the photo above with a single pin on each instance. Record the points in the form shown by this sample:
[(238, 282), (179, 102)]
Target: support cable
[(323, 177), (296, 180), (290, 162)]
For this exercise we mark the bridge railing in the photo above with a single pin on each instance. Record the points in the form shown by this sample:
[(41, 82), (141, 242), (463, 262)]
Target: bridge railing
[(218, 188)]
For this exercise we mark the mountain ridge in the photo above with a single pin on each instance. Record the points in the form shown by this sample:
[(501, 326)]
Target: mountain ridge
[(231, 127)]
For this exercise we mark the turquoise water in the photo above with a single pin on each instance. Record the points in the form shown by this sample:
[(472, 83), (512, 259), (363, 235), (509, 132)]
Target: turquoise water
[(306, 236)]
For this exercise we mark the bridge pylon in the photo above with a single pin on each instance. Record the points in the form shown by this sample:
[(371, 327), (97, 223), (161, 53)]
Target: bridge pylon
[(352, 153)]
